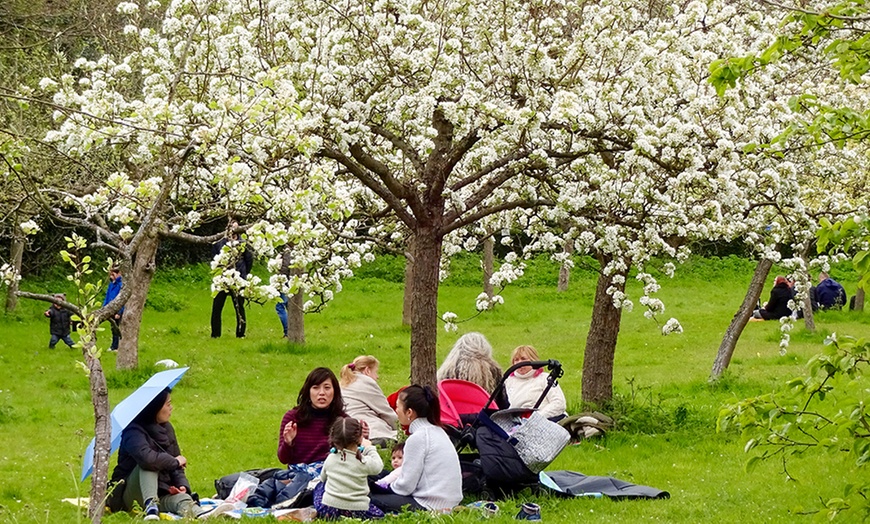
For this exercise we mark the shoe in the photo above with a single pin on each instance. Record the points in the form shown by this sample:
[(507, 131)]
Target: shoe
[(529, 511), (113, 350), (487, 508), (152, 512)]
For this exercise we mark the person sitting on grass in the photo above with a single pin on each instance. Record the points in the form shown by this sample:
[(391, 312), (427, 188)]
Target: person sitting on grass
[(525, 386), (343, 491), (59, 322), (364, 399), (829, 293), (150, 470), (431, 477), (304, 434), (471, 360), (397, 457), (777, 306)]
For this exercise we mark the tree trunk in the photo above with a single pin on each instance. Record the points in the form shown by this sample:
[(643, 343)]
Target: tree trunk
[(565, 270), (601, 341), (408, 297), (488, 256), (424, 309), (143, 272), (296, 316), (102, 430), (809, 315), (859, 299), (732, 334), (16, 255)]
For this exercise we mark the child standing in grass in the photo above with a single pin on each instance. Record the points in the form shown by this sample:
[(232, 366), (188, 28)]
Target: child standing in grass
[(344, 490), (59, 324)]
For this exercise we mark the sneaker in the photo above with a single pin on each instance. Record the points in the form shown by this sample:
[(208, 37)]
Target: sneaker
[(152, 512), (529, 511), (487, 508)]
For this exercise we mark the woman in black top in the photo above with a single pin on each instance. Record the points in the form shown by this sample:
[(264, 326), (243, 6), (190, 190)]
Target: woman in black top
[(151, 466)]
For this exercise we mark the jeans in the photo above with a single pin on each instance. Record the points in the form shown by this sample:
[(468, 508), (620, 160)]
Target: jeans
[(66, 339), (115, 324), (281, 309)]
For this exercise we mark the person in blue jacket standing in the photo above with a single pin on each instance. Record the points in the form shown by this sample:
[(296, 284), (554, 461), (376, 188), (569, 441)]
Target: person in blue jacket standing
[(115, 284)]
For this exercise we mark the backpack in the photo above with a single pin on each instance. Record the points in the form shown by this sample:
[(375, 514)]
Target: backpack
[(224, 485)]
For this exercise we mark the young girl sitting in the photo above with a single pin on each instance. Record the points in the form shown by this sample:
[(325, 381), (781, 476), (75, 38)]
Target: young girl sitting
[(344, 490)]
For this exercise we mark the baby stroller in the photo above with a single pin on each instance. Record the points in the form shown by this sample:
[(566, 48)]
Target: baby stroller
[(461, 402), (508, 448)]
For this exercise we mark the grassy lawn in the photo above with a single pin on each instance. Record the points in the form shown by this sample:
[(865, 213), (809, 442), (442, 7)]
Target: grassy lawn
[(229, 405)]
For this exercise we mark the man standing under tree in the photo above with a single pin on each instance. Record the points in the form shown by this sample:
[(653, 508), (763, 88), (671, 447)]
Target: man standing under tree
[(243, 267), (115, 283)]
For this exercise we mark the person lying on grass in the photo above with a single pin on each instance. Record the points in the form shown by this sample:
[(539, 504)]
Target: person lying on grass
[(431, 477)]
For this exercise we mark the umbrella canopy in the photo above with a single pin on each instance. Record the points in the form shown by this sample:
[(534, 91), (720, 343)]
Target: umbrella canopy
[(131, 406)]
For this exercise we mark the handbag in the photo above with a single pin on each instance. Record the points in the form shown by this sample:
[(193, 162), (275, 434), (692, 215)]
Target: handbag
[(536, 439)]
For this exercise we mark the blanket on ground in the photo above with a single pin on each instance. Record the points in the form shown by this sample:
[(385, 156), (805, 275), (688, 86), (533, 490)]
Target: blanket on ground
[(572, 483)]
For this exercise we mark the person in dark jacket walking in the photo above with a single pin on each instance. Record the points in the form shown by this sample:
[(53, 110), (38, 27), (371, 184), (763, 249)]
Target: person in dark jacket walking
[(59, 324), (777, 306), (115, 284), (150, 470), (243, 266)]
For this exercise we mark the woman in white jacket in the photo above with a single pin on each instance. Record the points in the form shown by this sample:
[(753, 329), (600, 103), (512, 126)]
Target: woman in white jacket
[(364, 399), (525, 386), (431, 477)]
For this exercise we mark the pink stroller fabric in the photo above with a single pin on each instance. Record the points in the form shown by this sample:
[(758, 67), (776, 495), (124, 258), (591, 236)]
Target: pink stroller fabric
[(460, 397)]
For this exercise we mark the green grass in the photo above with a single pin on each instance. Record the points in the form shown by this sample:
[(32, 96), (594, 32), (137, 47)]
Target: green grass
[(229, 405)]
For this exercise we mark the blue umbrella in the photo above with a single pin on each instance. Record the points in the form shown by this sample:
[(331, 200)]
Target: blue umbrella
[(131, 406)]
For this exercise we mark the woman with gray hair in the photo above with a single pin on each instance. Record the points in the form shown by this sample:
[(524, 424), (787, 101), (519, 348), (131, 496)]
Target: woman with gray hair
[(471, 360)]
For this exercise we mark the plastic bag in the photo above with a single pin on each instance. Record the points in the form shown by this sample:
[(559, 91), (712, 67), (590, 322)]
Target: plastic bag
[(244, 487)]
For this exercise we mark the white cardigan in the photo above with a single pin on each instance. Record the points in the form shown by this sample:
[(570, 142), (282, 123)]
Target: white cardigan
[(524, 390), (430, 471), (364, 400)]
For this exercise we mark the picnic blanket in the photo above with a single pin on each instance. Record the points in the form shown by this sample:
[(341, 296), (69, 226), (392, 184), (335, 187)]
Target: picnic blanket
[(574, 484)]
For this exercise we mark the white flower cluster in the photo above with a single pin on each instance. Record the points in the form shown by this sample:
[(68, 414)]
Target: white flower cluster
[(449, 319), (785, 326), (8, 275), (672, 326), (484, 302), (29, 227)]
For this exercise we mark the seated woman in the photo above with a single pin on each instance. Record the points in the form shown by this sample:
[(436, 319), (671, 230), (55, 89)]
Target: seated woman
[(525, 386), (471, 360), (151, 466), (430, 477), (364, 399), (777, 306), (304, 434)]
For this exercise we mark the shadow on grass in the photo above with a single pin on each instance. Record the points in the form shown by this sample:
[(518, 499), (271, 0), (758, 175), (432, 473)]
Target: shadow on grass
[(130, 378), (292, 348)]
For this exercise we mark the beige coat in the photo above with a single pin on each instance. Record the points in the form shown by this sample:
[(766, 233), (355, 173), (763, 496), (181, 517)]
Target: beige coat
[(364, 400)]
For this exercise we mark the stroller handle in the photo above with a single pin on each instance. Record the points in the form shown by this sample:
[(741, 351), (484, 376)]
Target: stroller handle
[(555, 372)]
